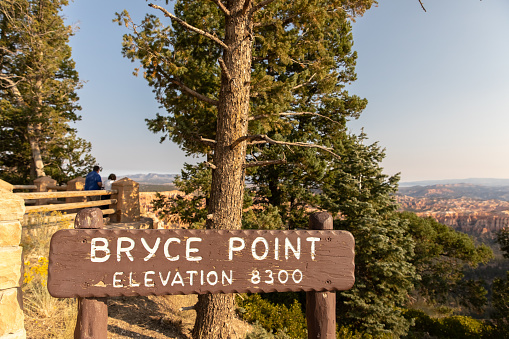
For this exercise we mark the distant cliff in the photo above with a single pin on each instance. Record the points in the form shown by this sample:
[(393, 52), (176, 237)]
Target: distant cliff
[(153, 178), (456, 191), (472, 209), (472, 181)]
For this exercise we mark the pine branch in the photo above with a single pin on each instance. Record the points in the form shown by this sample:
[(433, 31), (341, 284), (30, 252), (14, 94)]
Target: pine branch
[(208, 142), (8, 51), (185, 88), (264, 163), (261, 5), (191, 92), (302, 64), (284, 22), (245, 7), (225, 70), (262, 138), (211, 165), (13, 88), (424, 9), (10, 80), (305, 83), (259, 117), (190, 27), (222, 7), (309, 113)]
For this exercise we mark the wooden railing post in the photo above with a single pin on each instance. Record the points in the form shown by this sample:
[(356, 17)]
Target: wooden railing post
[(42, 184), (128, 200), (321, 306), (12, 209), (92, 322)]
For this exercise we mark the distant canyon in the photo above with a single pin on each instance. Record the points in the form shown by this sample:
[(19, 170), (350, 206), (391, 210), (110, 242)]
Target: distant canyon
[(466, 215), (474, 209)]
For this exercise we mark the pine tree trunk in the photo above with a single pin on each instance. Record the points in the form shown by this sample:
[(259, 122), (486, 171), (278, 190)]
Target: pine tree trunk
[(36, 154), (215, 312), (34, 129), (37, 163)]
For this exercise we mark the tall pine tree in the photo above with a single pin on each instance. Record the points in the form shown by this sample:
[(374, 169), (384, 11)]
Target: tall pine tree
[(38, 99), (240, 79), (357, 190)]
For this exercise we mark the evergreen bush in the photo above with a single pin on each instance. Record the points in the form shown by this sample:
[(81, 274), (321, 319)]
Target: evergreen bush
[(447, 327), (276, 319)]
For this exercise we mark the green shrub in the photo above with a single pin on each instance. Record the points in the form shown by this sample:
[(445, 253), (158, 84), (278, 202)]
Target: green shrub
[(461, 327), (277, 319), (345, 332), (259, 332), (447, 327)]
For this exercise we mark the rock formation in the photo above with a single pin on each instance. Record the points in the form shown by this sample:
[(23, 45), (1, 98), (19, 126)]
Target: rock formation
[(467, 215)]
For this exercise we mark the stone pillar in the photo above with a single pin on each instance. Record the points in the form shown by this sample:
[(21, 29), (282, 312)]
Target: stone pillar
[(12, 209), (76, 184), (42, 184), (128, 200), (5, 185)]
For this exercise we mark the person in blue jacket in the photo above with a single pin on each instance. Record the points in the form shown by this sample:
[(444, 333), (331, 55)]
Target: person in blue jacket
[(93, 182)]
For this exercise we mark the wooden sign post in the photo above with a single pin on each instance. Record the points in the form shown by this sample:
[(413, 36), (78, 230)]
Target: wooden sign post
[(92, 320), (97, 263), (321, 306)]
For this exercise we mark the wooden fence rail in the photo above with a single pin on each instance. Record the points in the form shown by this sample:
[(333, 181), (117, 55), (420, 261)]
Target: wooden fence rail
[(74, 205), (123, 206), (58, 188), (24, 187), (68, 194)]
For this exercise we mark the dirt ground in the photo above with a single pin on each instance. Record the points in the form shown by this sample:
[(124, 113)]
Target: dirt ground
[(156, 317), (153, 317), (150, 317)]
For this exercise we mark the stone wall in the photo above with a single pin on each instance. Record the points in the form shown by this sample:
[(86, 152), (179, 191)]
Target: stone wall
[(12, 209)]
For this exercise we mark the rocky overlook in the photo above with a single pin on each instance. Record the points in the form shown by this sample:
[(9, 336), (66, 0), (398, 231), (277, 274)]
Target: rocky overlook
[(473, 209)]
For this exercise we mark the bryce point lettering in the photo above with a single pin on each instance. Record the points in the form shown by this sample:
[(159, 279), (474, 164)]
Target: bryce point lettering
[(172, 248)]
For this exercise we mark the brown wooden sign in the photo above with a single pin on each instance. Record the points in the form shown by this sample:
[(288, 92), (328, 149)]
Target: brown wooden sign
[(102, 263)]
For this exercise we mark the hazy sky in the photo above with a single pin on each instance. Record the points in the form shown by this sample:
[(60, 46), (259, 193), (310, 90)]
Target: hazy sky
[(437, 83)]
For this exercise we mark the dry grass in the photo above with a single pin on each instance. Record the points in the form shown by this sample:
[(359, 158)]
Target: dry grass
[(37, 231), (45, 316)]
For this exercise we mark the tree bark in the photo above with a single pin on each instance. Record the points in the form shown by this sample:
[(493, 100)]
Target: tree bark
[(215, 312), (36, 153), (37, 162), (36, 128)]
